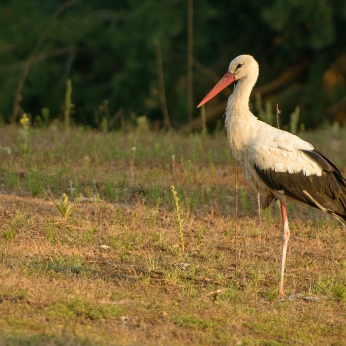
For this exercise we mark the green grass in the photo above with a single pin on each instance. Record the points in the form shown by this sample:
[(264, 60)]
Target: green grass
[(44, 339), (193, 322), (68, 265), (77, 308)]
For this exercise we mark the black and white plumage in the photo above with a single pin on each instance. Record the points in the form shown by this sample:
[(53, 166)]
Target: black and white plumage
[(277, 164), (328, 189)]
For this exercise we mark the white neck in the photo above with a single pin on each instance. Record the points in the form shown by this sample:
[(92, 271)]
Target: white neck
[(238, 102), (237, 112)]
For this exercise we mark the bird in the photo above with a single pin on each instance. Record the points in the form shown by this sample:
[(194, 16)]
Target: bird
[(277, 164)]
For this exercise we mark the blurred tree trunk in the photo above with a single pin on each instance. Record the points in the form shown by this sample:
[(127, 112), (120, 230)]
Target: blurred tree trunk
[(189, 60), (32, 57), (161, 83)]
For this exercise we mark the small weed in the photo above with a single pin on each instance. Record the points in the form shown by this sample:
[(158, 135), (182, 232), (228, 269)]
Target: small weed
[(64, 206), (9, 235), (178, 214)]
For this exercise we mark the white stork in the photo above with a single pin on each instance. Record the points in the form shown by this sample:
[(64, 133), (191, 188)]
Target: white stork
[(277, 164)]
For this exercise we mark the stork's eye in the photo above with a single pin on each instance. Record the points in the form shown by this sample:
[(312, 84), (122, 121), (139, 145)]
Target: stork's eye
[(239, 65)]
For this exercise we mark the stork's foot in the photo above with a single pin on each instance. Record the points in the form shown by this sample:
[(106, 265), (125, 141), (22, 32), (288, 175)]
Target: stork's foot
[(282, 292)]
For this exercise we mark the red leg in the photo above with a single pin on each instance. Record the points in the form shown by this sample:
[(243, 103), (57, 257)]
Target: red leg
[(285, 238)]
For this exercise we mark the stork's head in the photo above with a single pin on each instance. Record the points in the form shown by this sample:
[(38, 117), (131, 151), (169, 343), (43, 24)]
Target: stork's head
[(242, 67)]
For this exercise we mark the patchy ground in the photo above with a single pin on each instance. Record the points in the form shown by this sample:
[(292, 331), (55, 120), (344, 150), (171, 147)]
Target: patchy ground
[(116, 275), (108, 268)]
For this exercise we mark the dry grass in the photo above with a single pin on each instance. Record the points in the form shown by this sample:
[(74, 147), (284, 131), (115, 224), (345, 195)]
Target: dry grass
[(113, 273)]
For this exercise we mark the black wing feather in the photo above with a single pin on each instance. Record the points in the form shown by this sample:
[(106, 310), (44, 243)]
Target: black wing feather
[(329, 189)]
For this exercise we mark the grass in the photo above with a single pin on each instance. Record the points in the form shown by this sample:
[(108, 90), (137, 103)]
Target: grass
[(115, 265)]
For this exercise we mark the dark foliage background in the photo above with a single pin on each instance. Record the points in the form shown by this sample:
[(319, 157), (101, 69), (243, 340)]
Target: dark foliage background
[(107, 48)]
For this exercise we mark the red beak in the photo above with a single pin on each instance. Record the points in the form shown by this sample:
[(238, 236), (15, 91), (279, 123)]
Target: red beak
[(226, 80)]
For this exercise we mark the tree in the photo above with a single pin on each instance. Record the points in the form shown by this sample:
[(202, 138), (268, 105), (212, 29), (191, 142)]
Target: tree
[(107, 49)]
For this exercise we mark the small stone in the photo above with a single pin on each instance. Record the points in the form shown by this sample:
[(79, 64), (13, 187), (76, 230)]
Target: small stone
[(183, 266), (104, 247), (124, 319)]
